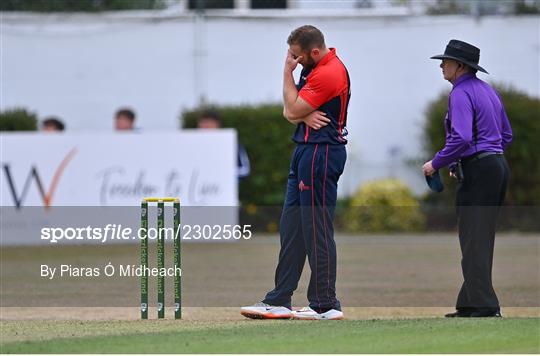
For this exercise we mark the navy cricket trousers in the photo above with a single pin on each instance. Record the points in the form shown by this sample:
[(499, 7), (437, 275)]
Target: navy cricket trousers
[(306, 226)]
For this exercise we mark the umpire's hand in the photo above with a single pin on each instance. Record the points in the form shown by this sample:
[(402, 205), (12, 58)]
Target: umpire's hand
[(428, 169)]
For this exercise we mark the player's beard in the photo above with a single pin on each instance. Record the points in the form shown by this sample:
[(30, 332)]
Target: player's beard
[(309, 63)]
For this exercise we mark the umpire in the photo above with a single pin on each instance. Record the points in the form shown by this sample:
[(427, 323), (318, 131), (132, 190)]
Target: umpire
[(477, 133)]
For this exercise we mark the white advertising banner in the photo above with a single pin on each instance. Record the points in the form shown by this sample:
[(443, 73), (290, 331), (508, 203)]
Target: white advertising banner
[(118, 169), (82, 182)]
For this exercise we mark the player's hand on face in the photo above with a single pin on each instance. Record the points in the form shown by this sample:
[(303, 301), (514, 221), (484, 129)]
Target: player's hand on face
[(316, 120), (291, 61)]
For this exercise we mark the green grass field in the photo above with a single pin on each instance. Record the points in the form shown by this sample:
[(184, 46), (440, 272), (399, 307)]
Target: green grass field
[(394, 289), (509, 335)]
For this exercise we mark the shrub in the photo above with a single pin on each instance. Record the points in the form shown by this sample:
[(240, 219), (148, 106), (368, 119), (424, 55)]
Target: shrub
[(386, 205), (18, 120)]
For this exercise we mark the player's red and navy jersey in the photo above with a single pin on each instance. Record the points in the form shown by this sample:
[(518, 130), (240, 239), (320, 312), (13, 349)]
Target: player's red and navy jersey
[(326, 87)]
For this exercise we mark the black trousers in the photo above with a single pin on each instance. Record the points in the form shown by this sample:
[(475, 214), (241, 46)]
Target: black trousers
[(478, 202)]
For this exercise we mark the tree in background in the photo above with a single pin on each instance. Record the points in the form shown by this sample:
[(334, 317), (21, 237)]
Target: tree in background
[(483, 7), (527, 7)]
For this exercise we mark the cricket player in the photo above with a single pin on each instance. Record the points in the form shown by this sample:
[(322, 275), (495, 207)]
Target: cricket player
[(318, 108), (477, 133)]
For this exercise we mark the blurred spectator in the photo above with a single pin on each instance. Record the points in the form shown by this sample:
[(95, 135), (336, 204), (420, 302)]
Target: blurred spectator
[(124, 120), (210, 119), (52, 124)]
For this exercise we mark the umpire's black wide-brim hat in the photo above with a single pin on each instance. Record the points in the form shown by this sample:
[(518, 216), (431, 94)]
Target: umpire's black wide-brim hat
[(463, 52)]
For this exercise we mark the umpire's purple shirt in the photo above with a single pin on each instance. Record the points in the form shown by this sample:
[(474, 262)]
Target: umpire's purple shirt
[(471, 96)]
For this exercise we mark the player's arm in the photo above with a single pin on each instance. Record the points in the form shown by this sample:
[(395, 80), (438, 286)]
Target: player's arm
[(290, 118), (294, 106), (295, 109), (315, 119)]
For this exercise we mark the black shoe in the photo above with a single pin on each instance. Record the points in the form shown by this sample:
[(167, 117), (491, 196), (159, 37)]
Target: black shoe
[(458, 314), (486, 314)]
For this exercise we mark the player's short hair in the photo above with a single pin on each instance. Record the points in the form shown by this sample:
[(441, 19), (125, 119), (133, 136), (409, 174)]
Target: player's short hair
[(54, 122), (125, 112), (211, 114), (307, 37)]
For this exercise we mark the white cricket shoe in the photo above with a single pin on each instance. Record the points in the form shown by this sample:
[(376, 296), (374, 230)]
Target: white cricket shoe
[(309, 314), (265, 311)]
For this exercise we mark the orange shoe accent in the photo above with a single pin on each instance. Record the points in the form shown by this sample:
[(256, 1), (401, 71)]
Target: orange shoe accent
[(255, 315)]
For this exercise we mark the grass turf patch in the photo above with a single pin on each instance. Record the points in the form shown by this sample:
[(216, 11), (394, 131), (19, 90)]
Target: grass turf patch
[(353, 336)]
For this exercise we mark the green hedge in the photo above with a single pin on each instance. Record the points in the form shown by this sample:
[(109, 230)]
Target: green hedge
[(266, 136), (522, 155), (18, 120)]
